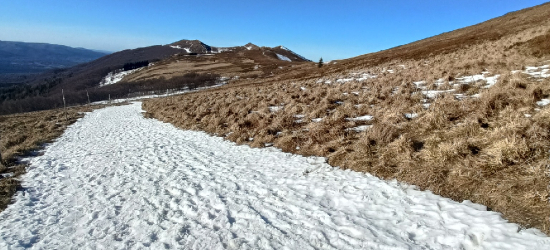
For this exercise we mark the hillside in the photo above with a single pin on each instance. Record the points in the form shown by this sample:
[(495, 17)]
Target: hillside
[(464, 114), (522, 32), (20, 58), (43, 91), (198, 47), (163, 66), (248, 61)]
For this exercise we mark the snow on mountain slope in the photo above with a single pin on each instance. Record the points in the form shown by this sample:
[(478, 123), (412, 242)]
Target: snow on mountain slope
[(279, 52), (116, 76), (293, 53), (178, 47), (284, 58), (116, 180)]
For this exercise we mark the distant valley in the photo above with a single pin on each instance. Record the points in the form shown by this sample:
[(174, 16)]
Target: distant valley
[(20, 58)]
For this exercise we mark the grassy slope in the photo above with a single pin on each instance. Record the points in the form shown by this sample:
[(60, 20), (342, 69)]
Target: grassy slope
[(492, 30), (482, 149), (260, 62)]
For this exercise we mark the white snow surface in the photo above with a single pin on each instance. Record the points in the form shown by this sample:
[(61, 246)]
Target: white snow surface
[(316, 119), (178, 47), (359, 128), (115, 180), (116, 76), (543, 102), (344, 80), (275, 108), (490, 80), (284, 58), (541, 71), (361, 118), (294, 53)]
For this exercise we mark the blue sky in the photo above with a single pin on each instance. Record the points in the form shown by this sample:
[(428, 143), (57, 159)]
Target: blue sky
[(328, 29)]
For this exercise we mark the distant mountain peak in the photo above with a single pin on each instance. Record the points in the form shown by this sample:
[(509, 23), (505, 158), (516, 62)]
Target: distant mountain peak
[(289, 53), (251, 46), (198, 47)]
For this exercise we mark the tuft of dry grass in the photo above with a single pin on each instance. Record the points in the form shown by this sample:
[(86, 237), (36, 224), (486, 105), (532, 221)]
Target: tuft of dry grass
[(481, 149)]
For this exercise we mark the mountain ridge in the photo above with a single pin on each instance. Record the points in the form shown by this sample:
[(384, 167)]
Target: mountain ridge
[(199, 47), (24, 57), (158, 63)]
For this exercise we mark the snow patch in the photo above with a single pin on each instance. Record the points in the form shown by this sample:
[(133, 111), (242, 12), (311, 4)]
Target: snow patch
[(345, 80), (178, 47), (116, 76), (543, 102), (490, 80), (316, 119), (359, 128), (275, 108), (284, 58), (420, 84), (538, 72), (294, 53), (361, 118)]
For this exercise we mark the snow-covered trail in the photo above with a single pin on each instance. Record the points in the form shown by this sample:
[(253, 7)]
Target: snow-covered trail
[(115, 180)]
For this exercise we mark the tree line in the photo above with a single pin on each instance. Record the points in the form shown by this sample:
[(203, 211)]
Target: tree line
[(135, 65), (24, 98)]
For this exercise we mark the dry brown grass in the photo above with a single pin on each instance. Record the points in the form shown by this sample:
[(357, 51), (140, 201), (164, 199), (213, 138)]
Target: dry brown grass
[(241, 64), (24, 133), (482, 149)]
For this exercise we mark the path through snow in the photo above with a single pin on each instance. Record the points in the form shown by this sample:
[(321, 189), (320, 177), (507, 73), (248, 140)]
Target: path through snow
[(115, 180)]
